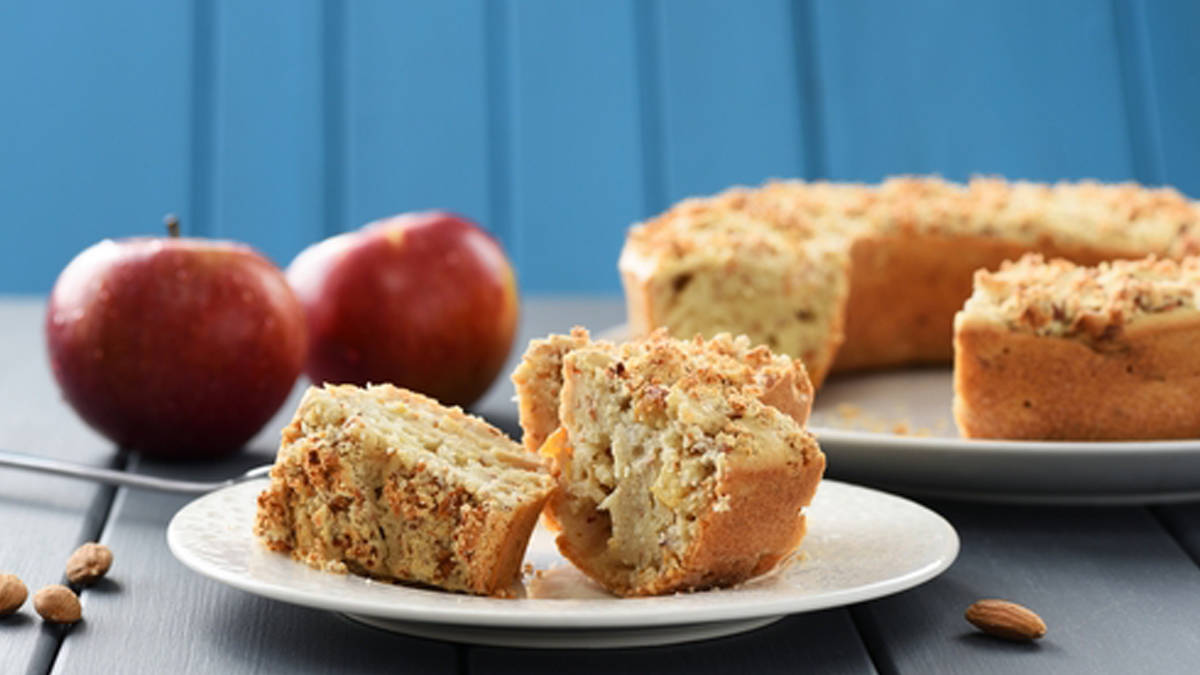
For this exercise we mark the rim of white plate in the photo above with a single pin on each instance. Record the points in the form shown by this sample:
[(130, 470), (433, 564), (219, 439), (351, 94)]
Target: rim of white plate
[(434, 606)]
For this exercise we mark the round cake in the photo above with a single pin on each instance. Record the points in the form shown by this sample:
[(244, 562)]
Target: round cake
[(850, 276)]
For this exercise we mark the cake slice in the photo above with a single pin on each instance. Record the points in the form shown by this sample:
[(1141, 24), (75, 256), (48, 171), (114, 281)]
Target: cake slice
[(1053, 350), (780, 381), (681, 465), (538, 381), (387, 483)]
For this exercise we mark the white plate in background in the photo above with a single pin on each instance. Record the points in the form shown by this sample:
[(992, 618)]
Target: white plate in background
[(861, 544), (895, 429)]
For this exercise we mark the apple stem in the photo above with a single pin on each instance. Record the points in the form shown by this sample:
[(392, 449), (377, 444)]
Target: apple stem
[(172, 223)]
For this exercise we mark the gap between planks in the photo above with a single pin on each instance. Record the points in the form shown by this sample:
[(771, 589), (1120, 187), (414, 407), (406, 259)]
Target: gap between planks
[(95, 522)]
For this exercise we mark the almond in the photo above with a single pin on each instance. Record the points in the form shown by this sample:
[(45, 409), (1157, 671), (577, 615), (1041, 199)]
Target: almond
[(1006, 620), (12, 593), (57, 604), (88, 563)]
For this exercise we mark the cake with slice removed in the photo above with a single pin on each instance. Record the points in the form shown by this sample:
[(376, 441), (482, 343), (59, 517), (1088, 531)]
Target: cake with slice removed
[(681, 465), (1053, 350), (853, 277), (387, 483)]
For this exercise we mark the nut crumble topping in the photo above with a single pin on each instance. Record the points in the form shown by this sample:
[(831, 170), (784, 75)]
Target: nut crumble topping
[(1060, 298)]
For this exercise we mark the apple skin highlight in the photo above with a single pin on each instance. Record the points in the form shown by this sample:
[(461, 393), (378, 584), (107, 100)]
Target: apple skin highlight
[(426, 301), (175, 347)]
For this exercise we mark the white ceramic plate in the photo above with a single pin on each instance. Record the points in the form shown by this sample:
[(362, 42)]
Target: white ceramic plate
[(861, 544), (894, 430)]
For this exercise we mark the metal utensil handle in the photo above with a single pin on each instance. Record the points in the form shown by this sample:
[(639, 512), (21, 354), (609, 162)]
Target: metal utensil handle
[(114, 477)]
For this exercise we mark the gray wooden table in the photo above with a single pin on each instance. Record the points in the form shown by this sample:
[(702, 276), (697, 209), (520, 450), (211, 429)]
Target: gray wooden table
[(1118, 587)]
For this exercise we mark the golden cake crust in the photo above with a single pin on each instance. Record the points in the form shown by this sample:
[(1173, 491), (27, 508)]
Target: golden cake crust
[(538, 383), (906, 289), (1053, 350), (345, 497), (1058, 297), (1015, 385), (762, 467), (779, 381), (729, 546)]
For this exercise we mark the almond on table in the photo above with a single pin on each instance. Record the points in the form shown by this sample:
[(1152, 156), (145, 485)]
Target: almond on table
[(58, 604), (1005, 619), (12, 593), (89, 563)]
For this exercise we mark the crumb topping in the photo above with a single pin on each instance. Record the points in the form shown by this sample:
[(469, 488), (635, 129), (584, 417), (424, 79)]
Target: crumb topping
[(390, 484), (783, 217), (655, 436), (777, 380), (731, 366), (1060, 298)]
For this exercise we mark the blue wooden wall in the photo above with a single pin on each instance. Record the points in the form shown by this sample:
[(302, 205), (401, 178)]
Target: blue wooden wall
[(554, 124)]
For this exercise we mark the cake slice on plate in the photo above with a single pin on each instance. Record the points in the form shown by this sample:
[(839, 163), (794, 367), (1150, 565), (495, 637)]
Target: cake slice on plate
[(388, 483), (1053, 350), (681, 465), (538, 381)]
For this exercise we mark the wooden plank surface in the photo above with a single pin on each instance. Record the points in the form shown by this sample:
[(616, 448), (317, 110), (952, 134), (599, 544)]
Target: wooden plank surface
[(43, 518), (824, 642), (1116, 591), (177, 621), (1183, 522), (156, 616)]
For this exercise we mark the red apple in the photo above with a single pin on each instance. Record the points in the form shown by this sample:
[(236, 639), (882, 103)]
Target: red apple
[(175, 347), (426, 301)]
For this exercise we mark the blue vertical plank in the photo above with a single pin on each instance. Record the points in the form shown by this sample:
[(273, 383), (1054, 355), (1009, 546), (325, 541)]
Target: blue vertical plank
[(576, 155), (417, 109), (94, 127), (1137, 82), (201, 145), (334, 90), (647, 26), (1024, 88), (732, 94), (499, 96), (268, 103), (1167, 48)]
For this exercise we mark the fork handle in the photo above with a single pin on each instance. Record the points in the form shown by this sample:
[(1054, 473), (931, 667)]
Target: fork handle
[(107, 476)]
